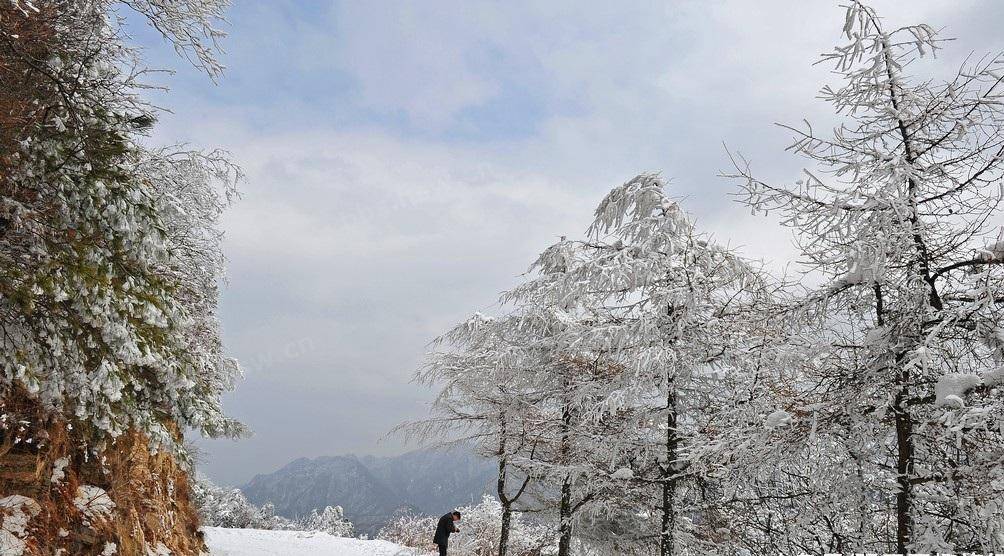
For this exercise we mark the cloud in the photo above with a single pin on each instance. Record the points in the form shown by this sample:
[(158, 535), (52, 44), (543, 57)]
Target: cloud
[(349, 252), (407, 161), (414, 58)]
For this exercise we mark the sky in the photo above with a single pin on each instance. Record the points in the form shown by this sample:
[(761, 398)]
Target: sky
[(406, 161)]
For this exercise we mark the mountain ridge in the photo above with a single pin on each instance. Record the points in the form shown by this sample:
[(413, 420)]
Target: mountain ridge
[(372, 489)]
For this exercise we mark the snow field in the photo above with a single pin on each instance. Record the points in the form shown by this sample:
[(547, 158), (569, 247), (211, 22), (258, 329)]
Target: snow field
[(259, 542)]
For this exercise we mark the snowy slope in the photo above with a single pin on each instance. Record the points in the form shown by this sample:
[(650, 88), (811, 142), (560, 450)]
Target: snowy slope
[(256, 542)]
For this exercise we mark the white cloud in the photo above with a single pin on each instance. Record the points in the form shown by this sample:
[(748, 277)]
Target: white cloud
[(358, 243), (413, 57)]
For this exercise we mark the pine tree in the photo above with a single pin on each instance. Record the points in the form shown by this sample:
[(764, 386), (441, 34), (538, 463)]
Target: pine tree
[(111, 251), (110, 264)]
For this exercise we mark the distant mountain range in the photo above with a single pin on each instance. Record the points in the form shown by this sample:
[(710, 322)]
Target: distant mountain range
[(371, 489)]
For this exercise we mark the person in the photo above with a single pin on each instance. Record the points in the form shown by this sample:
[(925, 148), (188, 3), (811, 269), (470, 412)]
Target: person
[(446, 525)]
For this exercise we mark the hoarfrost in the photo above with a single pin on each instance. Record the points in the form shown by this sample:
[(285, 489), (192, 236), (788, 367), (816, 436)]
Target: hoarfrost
[(951, 388), (623, 474), (779, 418)]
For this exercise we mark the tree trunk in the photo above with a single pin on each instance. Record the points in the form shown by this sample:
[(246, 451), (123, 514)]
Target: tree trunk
[(666, 537), (506, 503), (504, 535), (904, 422), (565, 509), (565, 519), (904, 464), (904, 442)]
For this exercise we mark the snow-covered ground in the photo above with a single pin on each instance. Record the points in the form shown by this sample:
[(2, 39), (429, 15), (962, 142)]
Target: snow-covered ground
[(257, 542)]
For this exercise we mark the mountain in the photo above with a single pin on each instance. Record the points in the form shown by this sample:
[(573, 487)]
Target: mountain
[(372, 489)]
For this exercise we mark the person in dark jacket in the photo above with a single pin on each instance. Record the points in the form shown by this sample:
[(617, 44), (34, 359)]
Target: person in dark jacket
[(446, 525)]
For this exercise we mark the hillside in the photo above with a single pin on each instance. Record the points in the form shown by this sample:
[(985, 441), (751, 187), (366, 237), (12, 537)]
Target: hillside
[(372, 489), (256, 542)]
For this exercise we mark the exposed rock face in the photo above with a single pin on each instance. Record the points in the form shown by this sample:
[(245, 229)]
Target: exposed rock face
[(59, 497)]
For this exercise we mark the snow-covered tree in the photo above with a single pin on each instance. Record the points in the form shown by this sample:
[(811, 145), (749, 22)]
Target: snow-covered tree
[(110, 250), (110, 263), (898, 215), (222, 507), (228, 507), (479, 532), (775, 493), (485, 368), (574, 457), (511, 387), (569, 380), (408, 529), (618, 355), (330, 520), (666, 310)]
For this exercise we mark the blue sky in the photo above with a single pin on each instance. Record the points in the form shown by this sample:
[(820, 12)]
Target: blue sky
[(407, 160)]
